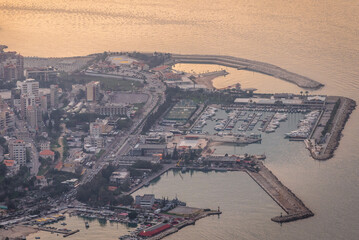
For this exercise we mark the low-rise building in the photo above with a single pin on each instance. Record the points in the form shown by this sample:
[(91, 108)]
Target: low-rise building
[(44, 145), (149, 149), (41, 181), (112, 109), (119, 177), (47, 154), (42, 74), (97, 142), (12, 167), (145, 201)]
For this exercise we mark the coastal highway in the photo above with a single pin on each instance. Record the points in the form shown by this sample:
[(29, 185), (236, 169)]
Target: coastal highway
[(122, 142)]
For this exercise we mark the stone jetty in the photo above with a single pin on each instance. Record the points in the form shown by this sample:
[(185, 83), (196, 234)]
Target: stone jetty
[(283, 196), (250, 65)]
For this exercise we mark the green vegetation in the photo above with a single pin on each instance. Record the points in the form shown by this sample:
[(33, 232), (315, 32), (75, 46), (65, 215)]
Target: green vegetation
[(152, 60), (15, 186), (96, 192), (123, 124), (132, 215), (45, 166), (65, 153), (4, 145), (107, 83), (182, 111), (7, 85), (152, 118), (328, 127), (202, 96), (58, 188)]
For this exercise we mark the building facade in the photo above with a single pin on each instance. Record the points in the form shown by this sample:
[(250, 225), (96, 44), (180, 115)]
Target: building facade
[(17, 151), (93, 91)]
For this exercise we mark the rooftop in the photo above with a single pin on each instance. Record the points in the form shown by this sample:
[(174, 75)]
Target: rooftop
[(47, 152)]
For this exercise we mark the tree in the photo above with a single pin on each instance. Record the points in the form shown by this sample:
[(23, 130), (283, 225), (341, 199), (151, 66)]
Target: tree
[(57, 155), (2, 170), (126, 200), (28, 156), (175, 154), (132, 215)]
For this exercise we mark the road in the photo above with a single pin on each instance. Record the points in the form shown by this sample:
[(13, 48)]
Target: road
[(122, 142)]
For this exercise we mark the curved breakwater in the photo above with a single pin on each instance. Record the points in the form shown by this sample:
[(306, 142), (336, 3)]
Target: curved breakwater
[(245, 64)]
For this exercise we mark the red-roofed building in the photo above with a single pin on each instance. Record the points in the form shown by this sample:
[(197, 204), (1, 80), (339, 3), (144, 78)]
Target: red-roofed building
[(12, 167), (140, 66), (47, 154), (149, 232), (112, 188), (41, 181), (58, 166), (161, 68), (9, 163)]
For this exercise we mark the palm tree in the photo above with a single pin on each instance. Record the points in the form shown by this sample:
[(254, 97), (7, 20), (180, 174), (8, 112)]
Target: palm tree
[(306, 93), (301, 93)]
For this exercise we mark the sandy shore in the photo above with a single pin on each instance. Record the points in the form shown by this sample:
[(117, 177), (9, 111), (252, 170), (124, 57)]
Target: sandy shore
[(246, 64), (206, 79), (16, 232)]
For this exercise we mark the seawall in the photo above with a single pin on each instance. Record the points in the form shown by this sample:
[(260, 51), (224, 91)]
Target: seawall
[(245, 64), (342, 115), (283, 196)]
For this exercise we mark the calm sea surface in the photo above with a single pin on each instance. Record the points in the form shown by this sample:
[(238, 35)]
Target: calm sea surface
[(318, 39)]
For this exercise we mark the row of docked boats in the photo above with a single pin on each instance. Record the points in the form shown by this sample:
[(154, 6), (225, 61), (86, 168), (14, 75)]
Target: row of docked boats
[(305, 126), (202, 121), (275, 122)]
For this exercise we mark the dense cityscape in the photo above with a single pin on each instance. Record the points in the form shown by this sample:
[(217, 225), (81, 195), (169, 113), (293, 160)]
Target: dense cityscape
[(79, 136)]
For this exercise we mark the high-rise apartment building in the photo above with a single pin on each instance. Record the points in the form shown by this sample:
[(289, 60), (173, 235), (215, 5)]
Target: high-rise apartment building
[(54, 96), (11, 65), (93, 91), (17, 151), (29, 86)]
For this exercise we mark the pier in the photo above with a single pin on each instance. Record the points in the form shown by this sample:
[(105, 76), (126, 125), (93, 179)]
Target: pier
[(149, 179), (65, 232), (250, 65), (326, 150), (228, 139), (283, 196)]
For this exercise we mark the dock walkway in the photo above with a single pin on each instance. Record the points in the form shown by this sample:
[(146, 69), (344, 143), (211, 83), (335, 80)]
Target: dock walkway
[(66, 232), (283, 196), (148, 180)]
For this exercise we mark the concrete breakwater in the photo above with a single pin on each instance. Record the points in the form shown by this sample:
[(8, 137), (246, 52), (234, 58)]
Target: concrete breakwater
[(245, 64), (341, 117), (283, 196)]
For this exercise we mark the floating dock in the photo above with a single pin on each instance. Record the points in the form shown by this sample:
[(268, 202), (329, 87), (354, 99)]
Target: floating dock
[(283, 196)]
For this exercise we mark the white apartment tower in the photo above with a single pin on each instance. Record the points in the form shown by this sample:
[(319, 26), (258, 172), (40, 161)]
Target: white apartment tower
[(93, 91), (17, 150)]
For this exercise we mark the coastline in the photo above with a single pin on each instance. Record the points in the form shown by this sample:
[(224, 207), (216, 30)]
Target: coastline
[(347, 106), (17, 231), (250, 65)]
